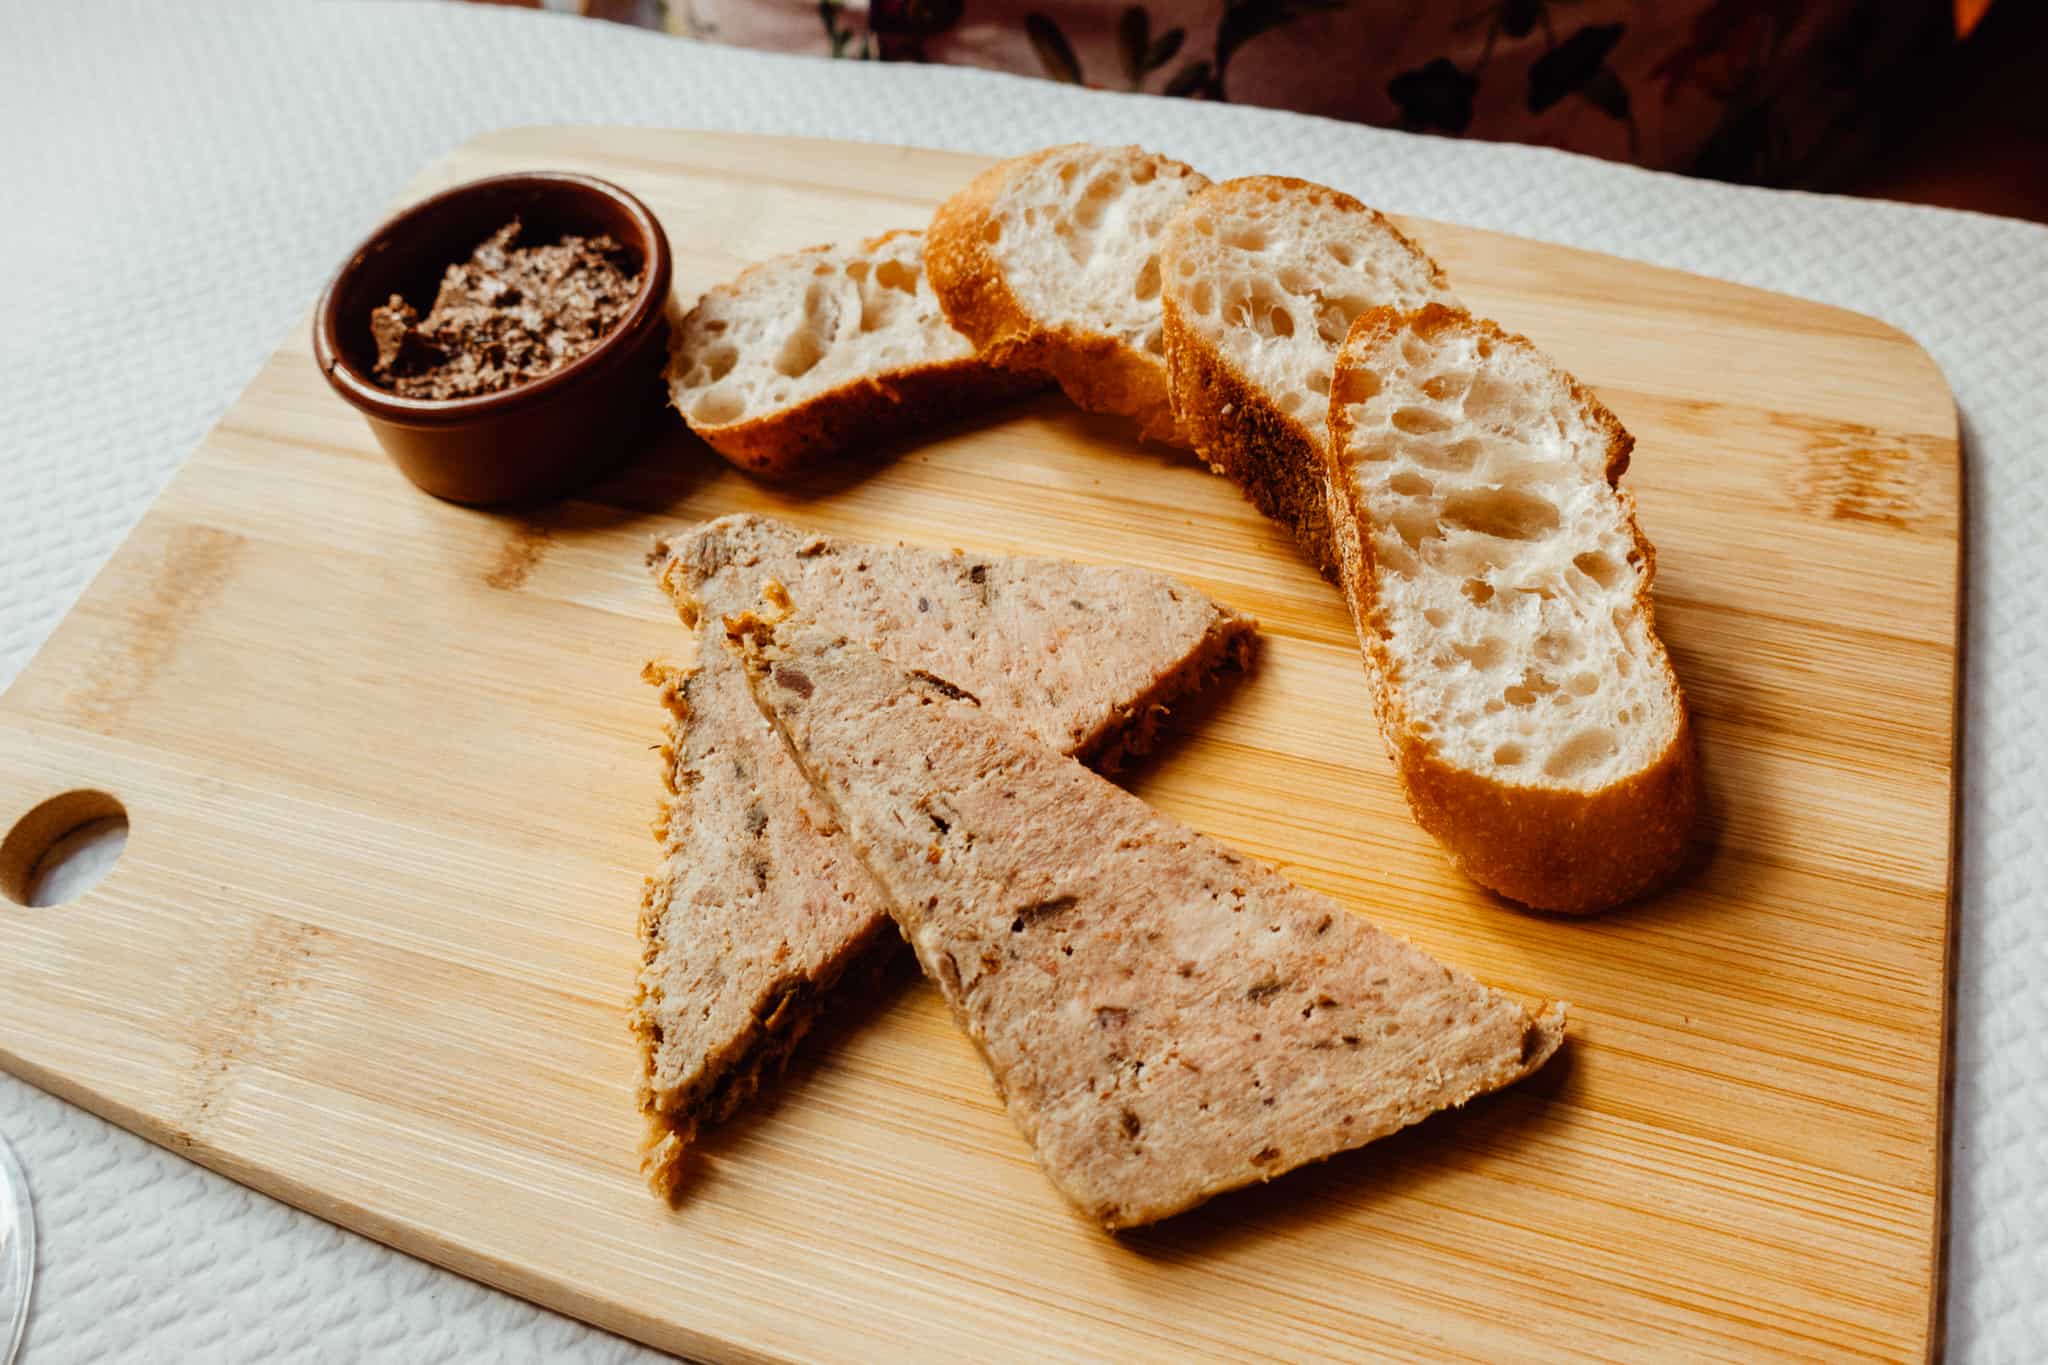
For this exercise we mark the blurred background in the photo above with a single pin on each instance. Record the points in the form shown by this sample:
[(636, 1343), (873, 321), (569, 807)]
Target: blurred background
[(1929, 101)]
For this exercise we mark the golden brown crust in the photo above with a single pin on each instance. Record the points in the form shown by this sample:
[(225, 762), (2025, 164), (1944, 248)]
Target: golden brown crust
[(1270, 456), (969, 284), (785, 444), (1571, 852), (1098, 373), (1242, 435)]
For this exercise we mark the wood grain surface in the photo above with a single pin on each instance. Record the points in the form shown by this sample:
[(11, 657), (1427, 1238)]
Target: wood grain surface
[(388, 768)]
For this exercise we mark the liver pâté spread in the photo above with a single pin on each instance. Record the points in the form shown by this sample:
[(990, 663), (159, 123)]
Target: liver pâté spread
[(506, 315)]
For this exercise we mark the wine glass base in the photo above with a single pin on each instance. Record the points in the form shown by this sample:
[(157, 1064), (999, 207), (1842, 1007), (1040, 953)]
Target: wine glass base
[(17, 1253)]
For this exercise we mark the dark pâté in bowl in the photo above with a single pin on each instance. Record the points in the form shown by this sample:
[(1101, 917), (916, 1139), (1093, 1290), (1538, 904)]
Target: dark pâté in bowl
[(504, 339)]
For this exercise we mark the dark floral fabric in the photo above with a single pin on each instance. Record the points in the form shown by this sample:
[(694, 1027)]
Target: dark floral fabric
[(1774, 91)]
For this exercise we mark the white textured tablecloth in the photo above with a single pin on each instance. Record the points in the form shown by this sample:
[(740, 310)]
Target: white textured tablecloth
[(181, 182)]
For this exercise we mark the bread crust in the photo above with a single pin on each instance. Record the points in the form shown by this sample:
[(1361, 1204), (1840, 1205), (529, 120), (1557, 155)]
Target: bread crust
[(786, 444), (1273, 459), (876, 407), (1097, 372), (1546, 846), (1227, 418)]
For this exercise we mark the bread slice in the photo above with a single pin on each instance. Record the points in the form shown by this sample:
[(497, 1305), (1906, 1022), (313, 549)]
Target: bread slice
[(1164, 1018), (1262, 279), (810, 353), (1049, 263), (1502, 592), (759, 908)]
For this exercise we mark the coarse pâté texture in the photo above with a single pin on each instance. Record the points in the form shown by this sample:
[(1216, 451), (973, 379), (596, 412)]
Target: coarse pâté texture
[(508, 315), (1165, 1018), (759, 908)]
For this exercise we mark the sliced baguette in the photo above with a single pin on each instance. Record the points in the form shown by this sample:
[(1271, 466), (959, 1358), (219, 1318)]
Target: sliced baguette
[(1164, 1018), (760, 910), (1262, 278), (1501, 589), (1049, 263), (806, 354)]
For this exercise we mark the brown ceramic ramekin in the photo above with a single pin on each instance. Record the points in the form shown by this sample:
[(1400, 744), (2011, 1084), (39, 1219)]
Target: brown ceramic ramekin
[(536, 440)]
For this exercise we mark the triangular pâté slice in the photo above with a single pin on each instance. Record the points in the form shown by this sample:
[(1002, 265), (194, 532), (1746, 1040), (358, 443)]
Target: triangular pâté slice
[(759, 907), (1165, 1018)]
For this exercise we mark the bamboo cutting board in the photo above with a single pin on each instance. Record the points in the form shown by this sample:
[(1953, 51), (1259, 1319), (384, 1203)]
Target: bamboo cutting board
[(386, 764)]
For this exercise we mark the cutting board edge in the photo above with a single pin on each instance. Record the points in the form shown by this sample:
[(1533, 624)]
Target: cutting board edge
[(387, 1230), (555, 1294), (505, 141)]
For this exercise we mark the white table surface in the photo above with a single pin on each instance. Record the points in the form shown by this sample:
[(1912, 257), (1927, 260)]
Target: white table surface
[(181, 180)]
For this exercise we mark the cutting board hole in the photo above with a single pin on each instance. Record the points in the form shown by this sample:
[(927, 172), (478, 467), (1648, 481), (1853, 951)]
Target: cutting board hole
[(60, 850)]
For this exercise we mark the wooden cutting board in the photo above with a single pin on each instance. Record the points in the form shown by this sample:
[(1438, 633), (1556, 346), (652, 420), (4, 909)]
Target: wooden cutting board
[(387, 766)]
